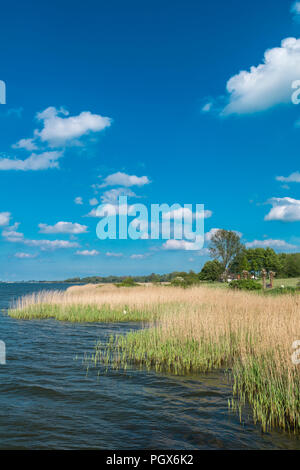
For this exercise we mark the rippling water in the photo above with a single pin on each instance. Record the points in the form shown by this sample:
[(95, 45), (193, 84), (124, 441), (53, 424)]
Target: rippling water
[(48, 402)]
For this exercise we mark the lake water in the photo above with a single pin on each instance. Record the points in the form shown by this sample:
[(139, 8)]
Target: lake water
[(47, 401)]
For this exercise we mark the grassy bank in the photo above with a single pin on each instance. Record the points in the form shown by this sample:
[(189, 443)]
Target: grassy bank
[(86, 304)]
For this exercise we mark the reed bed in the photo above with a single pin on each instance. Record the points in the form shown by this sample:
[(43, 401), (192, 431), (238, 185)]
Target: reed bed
[(87, 304), (247, 334), (195, 330)]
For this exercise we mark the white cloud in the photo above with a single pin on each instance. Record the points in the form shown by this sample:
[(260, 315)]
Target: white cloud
[(268, 84), (112, 195), (270, 243), (78, 200), (292, 178), (106, 210), (27, 144), (207, 107), (207, 214), (63, 227), (11, 235), (179, 245), (93, 201), (22, 255), (137, 256), (285, 209), (114, 255), (122, 179), (4, 218), (41, 161), (182, 212), (87, 252), (295, 8), (60, 129), (51, 244), (92, 213), (210, 234)]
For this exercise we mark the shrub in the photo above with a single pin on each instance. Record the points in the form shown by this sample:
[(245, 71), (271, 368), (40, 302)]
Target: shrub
[(284, 290), (185, 281), (128, 282), (245, 284)]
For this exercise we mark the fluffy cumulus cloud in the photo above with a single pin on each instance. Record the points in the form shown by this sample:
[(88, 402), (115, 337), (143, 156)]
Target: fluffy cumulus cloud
[(267, 84), (87, 252), (59, 129), (122, 179), (112, 195), (137, 256), (292, 178), (63, 227), (27, 144), (36, 161), (4, 218), (78, 200), (270, 243), (285, 209)]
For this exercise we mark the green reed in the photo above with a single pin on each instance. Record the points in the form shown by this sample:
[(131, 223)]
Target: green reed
[(81, 313), (272, 391)]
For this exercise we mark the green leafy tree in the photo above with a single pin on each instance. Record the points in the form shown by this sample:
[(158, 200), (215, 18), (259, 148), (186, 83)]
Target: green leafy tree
[(211, 271), (292, 265), (225, 245), (240, 263), (272, 262)]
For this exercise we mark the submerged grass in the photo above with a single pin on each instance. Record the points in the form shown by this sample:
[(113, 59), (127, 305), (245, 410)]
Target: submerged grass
[(195, 330)]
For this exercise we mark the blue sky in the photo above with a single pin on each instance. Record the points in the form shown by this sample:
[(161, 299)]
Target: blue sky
[(181, 95)]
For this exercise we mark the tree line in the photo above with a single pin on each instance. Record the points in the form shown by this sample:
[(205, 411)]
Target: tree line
[(229, 256)]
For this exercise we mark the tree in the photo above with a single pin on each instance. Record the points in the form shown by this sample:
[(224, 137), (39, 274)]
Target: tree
[(272, 262), (211, 271), (240, 263), (256, 259), (292, 266), (225, 245)]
